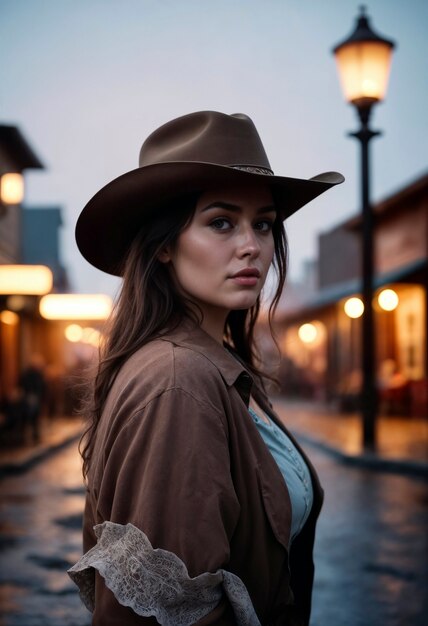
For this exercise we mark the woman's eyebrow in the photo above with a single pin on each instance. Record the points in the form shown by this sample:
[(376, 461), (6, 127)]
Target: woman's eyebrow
[(235, 208)]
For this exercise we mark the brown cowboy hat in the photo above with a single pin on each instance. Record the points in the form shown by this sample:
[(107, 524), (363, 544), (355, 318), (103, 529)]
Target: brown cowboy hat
[(189, 154)]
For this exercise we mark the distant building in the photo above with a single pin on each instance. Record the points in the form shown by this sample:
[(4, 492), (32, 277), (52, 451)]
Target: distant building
[(36, 233), (40, 241), (32, 236), (16, 156), (10, 236), (323, 360)]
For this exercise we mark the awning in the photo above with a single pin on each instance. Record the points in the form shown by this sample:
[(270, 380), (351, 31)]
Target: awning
[(412, 272)]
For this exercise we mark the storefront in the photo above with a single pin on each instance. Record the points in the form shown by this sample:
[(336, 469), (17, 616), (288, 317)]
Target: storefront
[(321, 340)]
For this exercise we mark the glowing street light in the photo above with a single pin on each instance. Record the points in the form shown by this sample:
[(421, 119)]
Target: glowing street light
[(363, 61), (9, 317), (388, 299), (354, 307), (91, 336), (11, 188), (307, 333), (31, 280), (16, 156), (73, 333), (75, 307)]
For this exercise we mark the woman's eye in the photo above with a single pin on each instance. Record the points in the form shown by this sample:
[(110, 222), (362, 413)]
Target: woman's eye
[(264, 226), (220, 223)]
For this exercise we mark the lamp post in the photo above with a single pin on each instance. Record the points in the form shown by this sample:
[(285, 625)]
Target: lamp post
[(363, 61)]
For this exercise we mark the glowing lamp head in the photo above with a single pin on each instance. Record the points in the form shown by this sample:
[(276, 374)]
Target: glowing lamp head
[(354, 307), (363, 62), (73, 333), (388, 299), (308, 333), (9, 317), (11, 188)]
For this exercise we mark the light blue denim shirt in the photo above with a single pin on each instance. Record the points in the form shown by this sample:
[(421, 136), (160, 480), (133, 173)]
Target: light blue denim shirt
[(292, 467)]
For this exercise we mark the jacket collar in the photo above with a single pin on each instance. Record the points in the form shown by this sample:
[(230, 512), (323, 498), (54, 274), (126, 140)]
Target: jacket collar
[(190, 335)]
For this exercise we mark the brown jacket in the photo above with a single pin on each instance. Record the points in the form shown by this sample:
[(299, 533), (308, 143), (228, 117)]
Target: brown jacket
[(178, 456)]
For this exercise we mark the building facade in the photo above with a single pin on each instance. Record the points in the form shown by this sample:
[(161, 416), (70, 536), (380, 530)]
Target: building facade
[(30, 236), (321, 343)]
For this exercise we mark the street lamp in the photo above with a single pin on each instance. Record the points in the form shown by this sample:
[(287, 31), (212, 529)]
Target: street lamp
[(363, 61), (11, 188), (16, 156)]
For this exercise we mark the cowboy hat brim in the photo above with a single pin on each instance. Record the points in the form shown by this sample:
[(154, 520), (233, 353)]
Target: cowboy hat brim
[(113, 217)]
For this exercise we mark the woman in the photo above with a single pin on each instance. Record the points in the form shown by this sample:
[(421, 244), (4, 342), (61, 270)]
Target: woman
[(200, 507)]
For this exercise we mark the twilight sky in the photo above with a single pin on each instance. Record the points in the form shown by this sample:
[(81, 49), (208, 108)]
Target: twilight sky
[(87, 80)]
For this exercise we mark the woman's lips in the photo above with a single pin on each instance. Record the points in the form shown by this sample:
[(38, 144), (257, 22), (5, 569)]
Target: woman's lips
[(249, 281), (247, 277)]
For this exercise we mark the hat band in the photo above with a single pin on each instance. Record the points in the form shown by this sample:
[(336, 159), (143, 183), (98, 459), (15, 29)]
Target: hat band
[(253, 169)]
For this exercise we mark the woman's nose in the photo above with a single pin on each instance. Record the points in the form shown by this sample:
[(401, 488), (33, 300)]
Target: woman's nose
[(248, 244)]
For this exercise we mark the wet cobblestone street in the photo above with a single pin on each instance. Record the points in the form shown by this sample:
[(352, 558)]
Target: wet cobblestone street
[(40, 525), (371, 551)]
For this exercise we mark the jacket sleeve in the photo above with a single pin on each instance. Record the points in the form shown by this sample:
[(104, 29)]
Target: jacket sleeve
[(168, 474)]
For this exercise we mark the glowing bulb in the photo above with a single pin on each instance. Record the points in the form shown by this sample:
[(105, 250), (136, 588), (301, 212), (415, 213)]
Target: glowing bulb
[(9, 317), (12, 188), (74, 333), (370, 87), (90, 336), (388, 300), (354, 307), (307, 333)]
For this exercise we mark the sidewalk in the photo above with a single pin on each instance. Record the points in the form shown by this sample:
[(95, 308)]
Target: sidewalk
[(54, 435), (402, 442)]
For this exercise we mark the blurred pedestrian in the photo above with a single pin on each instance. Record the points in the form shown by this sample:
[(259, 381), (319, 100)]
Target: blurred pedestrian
[(33, 385), (201, 507), (14, 411)]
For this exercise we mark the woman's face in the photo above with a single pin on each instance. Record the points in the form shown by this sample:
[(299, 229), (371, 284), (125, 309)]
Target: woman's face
[(222, 257)]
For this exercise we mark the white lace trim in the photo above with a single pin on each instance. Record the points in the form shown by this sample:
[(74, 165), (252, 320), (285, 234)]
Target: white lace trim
[(155, 582)]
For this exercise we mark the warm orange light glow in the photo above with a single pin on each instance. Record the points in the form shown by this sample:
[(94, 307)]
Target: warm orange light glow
[(307, 333), (73, 333), (34, 280), (75, 307), (388, 299), (12, 188), (9, 317), (92, 336), (96, 339), (364, 69), (88, 335), (354, 307), (16, 303)]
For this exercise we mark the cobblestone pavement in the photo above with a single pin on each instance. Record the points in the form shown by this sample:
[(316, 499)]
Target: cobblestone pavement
[(40, 524), (372, 548), (371, 552)]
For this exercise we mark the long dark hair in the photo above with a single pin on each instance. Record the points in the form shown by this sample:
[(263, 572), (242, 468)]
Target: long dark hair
[(149, 305)]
